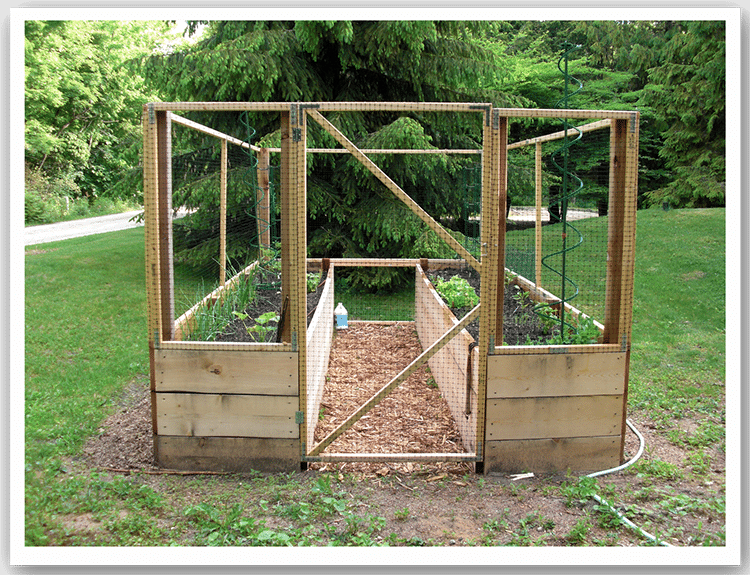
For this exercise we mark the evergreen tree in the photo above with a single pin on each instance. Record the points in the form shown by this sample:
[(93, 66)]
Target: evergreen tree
[(688, 91), (351, 213)]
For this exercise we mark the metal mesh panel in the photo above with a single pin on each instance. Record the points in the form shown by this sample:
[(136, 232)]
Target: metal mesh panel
[(557, 233), (396, 211)]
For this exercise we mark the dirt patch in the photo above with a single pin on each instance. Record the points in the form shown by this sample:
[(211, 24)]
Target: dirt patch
[(434, 503)]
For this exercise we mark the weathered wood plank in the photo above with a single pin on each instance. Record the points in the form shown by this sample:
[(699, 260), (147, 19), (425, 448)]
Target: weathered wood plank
[(210, 371), (216, 415), (234, 454), (577, 454), (553, 417), (555, 375)]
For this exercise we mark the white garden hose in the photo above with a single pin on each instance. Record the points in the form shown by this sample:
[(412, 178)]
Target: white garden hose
[(624, 519)]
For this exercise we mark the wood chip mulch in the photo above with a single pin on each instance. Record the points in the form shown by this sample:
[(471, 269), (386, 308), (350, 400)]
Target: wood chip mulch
[(413, 418)]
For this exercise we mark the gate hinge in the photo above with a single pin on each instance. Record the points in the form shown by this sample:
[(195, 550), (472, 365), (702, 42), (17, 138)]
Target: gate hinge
[(296, 134), (294, 341), (151, 114), (624, 345), (299, 417)]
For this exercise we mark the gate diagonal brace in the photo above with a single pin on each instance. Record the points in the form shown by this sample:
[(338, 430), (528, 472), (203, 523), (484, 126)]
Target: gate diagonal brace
[(396, 381), (395, 188)]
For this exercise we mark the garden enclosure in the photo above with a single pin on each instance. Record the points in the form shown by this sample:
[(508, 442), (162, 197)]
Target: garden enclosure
[(530, 367)]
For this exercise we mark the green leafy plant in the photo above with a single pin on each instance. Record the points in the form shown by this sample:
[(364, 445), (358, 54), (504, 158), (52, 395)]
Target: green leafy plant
[(217, 528), (402, 514), (457, 292), (261, 329), (313, 281), (580, 492)]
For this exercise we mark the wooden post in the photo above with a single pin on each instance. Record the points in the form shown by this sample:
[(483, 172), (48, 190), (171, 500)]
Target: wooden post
[(538, 244), (164, 179), (151, 231), (492, 265), (623, 190), (500, 134), (287, 181), (223, 216), (613, 331), (263, 213), (299, 263)]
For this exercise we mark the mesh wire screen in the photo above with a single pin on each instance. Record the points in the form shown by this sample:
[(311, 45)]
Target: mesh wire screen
[(395, 238), (235, 243), (557, 231)]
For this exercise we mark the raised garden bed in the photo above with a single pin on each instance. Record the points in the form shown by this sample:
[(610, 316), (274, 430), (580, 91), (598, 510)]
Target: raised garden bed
[(521, 325), (244, 325)]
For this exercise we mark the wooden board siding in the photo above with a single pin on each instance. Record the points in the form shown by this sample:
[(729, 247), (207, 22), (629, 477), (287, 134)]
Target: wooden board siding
[(555, 375), (555, 411), (235, 372), (578, 454), (226, 409), (215, 415), (553, 417), (449, 365), (231, 454)]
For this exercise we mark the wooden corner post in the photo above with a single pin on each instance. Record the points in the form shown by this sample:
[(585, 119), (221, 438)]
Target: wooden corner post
[(623, 183), (623, 192), (294, 245), (492, 265), (157, 203)]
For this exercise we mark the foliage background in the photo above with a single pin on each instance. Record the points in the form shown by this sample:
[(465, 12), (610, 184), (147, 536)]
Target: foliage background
[(86, 82)]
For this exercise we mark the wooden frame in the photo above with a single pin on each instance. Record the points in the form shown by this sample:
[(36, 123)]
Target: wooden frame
[(203, 401)]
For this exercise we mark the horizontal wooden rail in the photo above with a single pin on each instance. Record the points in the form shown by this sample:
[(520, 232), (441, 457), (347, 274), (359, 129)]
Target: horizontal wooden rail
[(601, 124), (394, 457), (211, 132), (389, 262)]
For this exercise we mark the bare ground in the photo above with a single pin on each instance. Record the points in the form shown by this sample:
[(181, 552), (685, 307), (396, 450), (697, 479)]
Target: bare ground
[(435, 503)]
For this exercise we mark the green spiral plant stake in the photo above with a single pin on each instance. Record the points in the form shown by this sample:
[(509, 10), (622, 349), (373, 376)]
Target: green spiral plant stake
[(570, 187)]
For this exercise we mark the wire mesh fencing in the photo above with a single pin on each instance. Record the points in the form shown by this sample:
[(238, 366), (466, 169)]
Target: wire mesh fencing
[(370, 250)]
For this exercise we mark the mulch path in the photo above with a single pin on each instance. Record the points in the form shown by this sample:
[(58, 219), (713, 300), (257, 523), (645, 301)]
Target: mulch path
[(413, 418)]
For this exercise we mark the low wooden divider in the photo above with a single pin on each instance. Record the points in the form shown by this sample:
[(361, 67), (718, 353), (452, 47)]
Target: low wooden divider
[(456, 378), (319, 340)]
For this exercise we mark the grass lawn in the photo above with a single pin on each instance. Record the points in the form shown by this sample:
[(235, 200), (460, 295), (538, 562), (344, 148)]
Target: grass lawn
[(85, 336)]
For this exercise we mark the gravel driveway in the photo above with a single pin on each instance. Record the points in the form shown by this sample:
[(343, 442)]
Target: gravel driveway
[(78, 228), (85, 227)]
